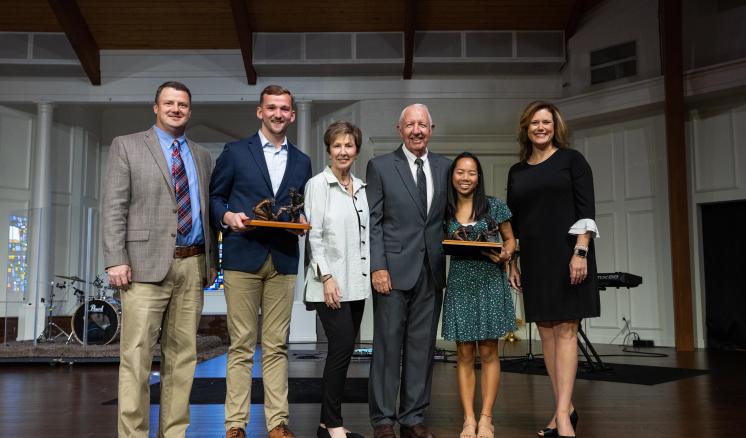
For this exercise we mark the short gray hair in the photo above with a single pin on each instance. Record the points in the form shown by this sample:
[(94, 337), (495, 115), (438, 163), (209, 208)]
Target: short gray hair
[(416, 105)]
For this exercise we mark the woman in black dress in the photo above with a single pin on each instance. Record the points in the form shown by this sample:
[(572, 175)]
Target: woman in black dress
[(550, 192)]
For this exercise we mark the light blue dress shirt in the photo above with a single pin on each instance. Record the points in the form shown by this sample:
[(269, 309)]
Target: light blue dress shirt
[(196, 236), (277, 160)]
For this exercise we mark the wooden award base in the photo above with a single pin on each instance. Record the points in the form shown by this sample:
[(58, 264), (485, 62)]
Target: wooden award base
[(277, 224), (468, 248)]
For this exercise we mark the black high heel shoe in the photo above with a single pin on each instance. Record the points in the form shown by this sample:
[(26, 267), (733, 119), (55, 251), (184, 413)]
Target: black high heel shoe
[(574, 418), (574, 422), (548, 432), (551, 432)]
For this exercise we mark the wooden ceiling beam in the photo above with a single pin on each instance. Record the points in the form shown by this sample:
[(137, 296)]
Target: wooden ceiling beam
[(409, 29), (79, 34), (576, 12), (245, 40)]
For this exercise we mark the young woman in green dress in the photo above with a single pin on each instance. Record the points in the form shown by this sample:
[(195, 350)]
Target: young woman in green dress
[(477, 308)]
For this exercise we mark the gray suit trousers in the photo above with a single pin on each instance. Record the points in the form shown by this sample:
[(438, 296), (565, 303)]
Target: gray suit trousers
[(405, 325)]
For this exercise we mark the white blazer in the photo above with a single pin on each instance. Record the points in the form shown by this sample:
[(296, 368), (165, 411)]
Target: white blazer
[(339, 237)]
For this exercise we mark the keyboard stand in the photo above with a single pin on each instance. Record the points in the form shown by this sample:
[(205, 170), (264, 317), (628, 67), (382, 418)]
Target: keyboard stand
[(594, 362)]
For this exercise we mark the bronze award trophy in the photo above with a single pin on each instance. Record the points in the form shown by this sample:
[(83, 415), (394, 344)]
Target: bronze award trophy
[(460, 244), (287, 216)]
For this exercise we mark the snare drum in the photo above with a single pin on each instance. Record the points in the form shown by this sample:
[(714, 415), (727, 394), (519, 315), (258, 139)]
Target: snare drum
[(104, 321)]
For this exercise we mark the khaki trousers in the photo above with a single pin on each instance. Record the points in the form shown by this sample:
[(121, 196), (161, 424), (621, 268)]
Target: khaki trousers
[(244, 293), (171, 309)]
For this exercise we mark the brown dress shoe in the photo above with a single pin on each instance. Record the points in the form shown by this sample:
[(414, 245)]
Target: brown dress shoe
[(281, 431), (416, 431), (384, 431), (235, 432)]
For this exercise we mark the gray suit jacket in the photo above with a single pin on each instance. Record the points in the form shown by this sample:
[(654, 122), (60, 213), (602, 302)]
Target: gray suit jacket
[(399, 231), (138, 206)]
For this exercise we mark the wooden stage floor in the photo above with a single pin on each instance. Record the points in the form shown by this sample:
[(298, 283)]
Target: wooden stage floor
[(66, 401)]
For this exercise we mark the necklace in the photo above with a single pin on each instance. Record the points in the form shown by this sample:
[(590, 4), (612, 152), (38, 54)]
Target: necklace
[(538, 158), (347, 184)]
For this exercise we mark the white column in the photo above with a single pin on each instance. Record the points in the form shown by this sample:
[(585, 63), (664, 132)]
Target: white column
[(303, 120), (40, 243), (302, 322)]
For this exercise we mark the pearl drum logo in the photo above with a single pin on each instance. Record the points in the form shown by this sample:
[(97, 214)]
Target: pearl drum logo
[(93, 308)]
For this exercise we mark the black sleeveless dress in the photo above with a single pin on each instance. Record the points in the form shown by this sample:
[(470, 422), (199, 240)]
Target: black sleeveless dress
[(546, 200)]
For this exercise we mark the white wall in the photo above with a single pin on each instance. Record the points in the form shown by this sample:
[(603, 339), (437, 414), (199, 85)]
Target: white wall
[(610, 23)]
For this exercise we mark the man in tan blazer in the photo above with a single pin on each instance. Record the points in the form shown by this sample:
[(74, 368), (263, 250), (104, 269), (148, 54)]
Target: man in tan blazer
[(159, 250)]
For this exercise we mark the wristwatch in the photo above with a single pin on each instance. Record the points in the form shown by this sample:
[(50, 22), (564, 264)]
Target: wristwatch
[(581, 251)]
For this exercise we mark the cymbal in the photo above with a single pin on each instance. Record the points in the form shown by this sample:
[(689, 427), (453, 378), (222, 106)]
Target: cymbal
[(71, 278)]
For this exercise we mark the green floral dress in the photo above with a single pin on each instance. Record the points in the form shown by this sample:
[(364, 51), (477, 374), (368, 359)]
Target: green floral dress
[(477, 302)]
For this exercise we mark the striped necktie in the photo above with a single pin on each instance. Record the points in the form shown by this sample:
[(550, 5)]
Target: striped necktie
[(181, 189)]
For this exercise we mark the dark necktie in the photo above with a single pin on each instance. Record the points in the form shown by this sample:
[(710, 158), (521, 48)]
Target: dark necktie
[(421, 184), (181, 189)]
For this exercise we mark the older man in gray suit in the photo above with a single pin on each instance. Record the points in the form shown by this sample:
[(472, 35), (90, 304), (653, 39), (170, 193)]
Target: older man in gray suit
[(407, 198), (159, 251)]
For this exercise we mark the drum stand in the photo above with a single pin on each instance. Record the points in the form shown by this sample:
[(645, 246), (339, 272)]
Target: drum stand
[(46, 335)]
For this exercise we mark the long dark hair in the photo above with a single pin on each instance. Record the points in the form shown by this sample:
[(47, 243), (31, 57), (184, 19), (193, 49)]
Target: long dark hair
[(479, 206)]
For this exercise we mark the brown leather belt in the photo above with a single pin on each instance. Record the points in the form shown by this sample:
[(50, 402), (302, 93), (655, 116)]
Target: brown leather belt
[(187, 251)]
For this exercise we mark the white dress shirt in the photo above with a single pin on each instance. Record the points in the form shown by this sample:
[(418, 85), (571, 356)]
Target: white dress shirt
[(426, 168), (277, 160), (338, 238)]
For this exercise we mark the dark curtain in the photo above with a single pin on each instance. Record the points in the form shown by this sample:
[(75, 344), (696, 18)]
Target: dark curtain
[(724, 241)]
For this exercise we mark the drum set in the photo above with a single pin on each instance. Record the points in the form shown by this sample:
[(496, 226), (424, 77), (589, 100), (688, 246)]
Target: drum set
[(96, 320)]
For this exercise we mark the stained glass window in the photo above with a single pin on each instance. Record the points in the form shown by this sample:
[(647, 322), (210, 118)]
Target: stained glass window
[(18, 254), (218, 285)]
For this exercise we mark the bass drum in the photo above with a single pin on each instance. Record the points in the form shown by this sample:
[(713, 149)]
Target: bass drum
[(104, 322)]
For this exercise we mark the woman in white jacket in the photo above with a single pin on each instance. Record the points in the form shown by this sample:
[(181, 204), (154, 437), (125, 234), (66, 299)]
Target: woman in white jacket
[(337, 281)]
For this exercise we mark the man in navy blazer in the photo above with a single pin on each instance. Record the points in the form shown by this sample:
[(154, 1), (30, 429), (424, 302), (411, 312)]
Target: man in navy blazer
[(259, 264)]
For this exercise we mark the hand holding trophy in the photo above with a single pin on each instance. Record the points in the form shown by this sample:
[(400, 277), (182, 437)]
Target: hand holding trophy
[(289, 217), (466, 242)]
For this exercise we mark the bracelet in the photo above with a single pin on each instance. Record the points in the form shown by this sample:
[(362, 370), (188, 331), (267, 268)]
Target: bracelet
[(325, 277)]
